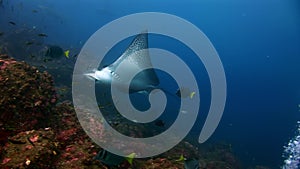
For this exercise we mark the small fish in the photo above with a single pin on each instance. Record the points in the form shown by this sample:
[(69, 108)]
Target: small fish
[(160, 123), (192, 94), (191, 164), (130, 158), (28, 43), (67, 52), (34, 11), (184, 92), (181, 158), (1, 33), (12, 23), (63, 89), (42, 35), (109, 158), (54, 51), (183, 112)]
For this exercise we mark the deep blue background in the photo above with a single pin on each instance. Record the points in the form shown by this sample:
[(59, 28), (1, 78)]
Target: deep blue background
[(258, 43)]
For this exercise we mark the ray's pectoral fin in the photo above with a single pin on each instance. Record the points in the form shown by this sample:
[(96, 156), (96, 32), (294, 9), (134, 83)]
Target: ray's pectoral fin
[(136, 58)]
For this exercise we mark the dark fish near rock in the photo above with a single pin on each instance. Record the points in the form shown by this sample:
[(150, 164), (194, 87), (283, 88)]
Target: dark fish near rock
[(12, 23), (191, 164), (54, 52), (42, 35), (28, 43), (109, 159), (159, 123)]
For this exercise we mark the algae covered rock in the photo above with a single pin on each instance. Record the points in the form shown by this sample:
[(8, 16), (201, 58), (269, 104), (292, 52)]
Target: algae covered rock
[(77, 150), (27, 95), (30, 149)]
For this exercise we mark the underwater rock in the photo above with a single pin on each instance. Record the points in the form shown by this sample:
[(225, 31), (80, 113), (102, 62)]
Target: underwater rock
[(185, 149), (78, 155), (65, 123), (77, 149), (27, 96), (62, 145), (217, 156), (161, 163), (30, 149)]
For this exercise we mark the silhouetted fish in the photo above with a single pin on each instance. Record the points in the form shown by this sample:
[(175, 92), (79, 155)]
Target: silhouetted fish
[(12, 23), (42, 35), (191, 164), (54, 51), (109, 159), (159, 123), (28, 43)]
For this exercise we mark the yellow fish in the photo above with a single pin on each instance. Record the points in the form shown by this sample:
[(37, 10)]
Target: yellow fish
[(130, 158), (192, 94), (67, 53), (181, 158)]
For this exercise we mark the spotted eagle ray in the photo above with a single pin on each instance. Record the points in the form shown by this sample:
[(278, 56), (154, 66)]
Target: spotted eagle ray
[(133, 60)]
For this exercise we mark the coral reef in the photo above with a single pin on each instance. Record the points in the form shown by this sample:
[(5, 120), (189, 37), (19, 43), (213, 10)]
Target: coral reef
[(77, 149), (30, 149), (27, 96)]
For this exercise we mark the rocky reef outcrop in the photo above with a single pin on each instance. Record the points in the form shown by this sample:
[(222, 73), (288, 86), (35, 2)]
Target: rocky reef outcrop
[(27, 96)]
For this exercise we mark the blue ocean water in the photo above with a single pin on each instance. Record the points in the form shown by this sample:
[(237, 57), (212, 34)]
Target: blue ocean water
[(258, 43)]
